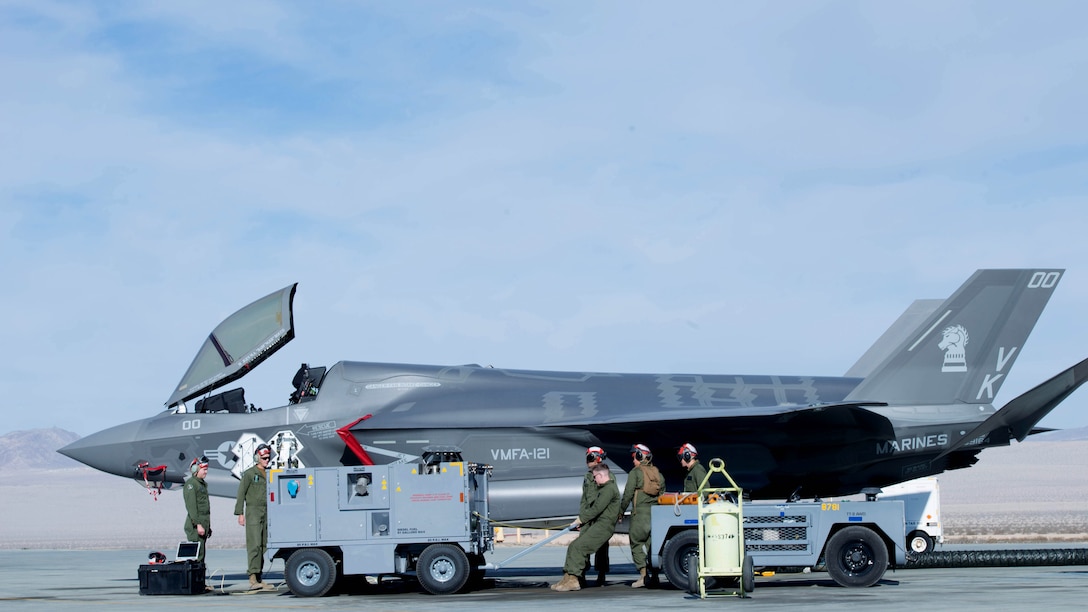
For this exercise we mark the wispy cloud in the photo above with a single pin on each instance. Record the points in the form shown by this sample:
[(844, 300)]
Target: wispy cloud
[(709, 187)]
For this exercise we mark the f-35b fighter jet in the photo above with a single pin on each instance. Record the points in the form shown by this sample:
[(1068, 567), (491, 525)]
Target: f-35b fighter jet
[(917, 404)]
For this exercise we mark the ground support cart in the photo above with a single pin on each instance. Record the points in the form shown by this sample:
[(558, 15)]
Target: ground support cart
[(855, 541), (722, 562), (426, 520)]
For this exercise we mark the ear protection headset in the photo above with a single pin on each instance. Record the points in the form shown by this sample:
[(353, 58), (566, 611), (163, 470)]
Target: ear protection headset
[(198, 463), (640, 452), (594, 453), (262, 449), (687, 452)]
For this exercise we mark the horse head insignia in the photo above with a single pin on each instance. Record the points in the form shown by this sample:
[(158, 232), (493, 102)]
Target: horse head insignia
[(953, 344)]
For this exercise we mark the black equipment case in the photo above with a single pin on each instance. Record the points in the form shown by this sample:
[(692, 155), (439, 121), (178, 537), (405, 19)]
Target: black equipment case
[(179, 578)]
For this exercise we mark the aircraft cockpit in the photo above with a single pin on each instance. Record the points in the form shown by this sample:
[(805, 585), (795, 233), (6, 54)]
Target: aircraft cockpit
[(307, 382), (227, 401)]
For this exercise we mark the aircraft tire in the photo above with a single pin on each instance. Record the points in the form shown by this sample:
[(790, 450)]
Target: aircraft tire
[(856, 557), (442, 569), (919, 542), (674, 557), (310, 572)]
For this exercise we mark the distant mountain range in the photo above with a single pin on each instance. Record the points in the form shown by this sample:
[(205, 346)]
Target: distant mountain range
[(36, 449)]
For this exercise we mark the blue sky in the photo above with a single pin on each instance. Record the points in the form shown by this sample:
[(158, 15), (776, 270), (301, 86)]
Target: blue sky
[(704, 187)]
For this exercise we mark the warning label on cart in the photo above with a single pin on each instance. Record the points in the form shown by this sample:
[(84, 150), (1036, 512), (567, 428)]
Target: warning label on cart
[(430, 497)]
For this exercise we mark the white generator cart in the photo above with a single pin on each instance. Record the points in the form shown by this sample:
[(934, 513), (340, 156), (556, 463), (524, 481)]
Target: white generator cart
[(722, 562), (426, 520)]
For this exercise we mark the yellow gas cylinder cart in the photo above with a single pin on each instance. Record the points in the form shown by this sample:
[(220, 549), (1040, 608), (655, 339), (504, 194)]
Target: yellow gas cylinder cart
[(722, 564)]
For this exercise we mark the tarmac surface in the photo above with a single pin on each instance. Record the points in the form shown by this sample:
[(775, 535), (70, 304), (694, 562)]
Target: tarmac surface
[(107, 580)]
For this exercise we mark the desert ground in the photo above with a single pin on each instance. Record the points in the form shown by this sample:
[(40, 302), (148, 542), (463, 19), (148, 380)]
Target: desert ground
[(1035, 491)]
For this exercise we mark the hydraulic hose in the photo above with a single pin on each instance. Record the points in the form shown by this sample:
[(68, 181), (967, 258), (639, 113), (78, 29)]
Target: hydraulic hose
[(998, 558)]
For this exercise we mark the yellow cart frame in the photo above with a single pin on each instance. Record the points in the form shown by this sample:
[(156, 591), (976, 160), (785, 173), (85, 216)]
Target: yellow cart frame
[(699, 574)]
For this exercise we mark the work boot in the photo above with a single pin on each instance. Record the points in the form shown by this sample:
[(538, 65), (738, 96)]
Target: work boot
[(261, 584), (568, 583), (641, 582), (254, 582), (564, 580)]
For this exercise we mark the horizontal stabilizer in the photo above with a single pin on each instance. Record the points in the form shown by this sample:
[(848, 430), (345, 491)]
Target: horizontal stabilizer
[(1022, 413)]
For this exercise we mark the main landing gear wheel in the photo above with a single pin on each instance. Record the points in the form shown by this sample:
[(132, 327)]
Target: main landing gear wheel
[(442, 569), (310, 572), (856, 557)]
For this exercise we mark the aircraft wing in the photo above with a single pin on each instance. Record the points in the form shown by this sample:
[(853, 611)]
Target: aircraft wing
[(238, 344), (823, 426), (757, 443), (844, 414)]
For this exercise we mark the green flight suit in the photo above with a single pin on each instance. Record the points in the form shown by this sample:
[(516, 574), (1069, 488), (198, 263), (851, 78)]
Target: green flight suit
[(598, 525), (253, 499), (695, 477), (589, 490), (641, 503), (198, 511)]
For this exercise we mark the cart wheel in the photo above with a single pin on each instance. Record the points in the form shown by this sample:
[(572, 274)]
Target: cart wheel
[(442, 569), (919, 542), (310, 572), (675, 555), (693, 574), (748, 575), (856, 557)]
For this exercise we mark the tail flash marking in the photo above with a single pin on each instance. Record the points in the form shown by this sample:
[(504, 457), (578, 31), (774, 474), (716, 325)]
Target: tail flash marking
[(988, 381), (931, 328), (1002, 359), (946, 365)]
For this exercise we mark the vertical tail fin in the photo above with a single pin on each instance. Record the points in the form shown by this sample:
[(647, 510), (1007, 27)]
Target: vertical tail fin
[(908, 323), (967, 346)]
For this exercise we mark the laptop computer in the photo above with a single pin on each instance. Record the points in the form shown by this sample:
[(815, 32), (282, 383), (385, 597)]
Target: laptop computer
[(187, 551)]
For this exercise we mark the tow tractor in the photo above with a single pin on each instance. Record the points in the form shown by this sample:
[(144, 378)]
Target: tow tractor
[(855, 541)]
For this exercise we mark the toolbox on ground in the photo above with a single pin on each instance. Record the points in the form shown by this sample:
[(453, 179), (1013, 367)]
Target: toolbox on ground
[(179, 578)]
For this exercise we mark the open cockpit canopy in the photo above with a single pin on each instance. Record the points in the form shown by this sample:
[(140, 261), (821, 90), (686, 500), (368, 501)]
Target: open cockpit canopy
[(238, 344)]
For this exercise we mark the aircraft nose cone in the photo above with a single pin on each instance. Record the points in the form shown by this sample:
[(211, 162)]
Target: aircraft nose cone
[(108, 450)]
